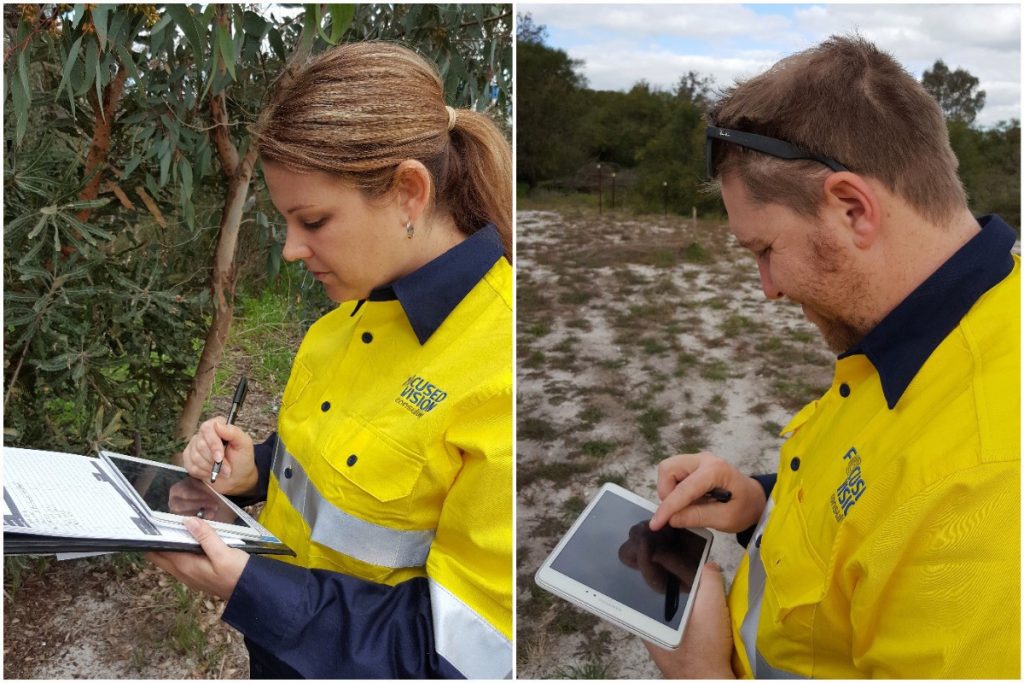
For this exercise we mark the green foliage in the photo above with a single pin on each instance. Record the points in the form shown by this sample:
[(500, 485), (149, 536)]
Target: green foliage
[(956, 92), (547, 112), (990, 167), (99, 316)]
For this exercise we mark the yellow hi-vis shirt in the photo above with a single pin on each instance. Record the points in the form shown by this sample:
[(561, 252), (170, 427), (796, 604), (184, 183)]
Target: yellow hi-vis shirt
[(890, 546), (394, 461)]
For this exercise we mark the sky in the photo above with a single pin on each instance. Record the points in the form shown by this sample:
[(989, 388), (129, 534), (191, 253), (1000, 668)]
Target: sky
[(621, 43)]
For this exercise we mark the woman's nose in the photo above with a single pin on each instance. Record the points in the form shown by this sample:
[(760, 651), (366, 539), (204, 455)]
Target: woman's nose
[(295, 247)]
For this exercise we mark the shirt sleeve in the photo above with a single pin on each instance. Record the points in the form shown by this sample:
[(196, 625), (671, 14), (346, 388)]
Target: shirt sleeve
[(935, 592), (454, 623), (767, 482), (264, 455), (470, 562), (328, 625)]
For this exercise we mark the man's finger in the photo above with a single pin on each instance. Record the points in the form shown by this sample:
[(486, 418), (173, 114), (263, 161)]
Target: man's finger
[(684, 494), (673, 470)]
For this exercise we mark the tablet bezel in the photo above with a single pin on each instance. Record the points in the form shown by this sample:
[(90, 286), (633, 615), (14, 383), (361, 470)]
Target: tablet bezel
[(254, 531), (606, 607)]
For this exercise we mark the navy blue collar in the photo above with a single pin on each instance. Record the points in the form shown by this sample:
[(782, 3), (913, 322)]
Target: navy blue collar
[(429, 294), (901, 343)]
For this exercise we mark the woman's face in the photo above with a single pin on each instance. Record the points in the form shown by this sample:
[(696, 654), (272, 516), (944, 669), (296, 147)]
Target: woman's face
[(349, 243)]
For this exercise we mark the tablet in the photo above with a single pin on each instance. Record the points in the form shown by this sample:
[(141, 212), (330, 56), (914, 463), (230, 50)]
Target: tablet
[(611, 564), (171, 494)]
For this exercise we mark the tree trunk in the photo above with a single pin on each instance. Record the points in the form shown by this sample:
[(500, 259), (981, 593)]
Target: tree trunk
[(100, 148), (222, 279)]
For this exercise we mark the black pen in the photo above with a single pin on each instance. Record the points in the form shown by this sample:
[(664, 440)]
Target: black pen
[(236, 403), (719, 494)]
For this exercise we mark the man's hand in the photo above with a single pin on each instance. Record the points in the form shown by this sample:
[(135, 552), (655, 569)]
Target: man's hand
[(706, 650), (683, 481), (216, 572), (238, 474)]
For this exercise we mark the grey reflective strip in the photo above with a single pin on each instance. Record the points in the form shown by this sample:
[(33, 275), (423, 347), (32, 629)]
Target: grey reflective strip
[(342, 532), (766, 670), (755, 591), (466, 640)]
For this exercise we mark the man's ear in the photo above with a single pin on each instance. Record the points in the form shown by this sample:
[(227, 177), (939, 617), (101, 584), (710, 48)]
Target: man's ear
[(854, 203), (413, 188)]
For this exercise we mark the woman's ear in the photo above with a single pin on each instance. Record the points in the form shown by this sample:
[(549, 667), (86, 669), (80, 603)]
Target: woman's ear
[(413, 187), (855, 205)]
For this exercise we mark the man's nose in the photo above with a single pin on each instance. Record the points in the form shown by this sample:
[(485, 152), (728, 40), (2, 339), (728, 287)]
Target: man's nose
[(767, 284)]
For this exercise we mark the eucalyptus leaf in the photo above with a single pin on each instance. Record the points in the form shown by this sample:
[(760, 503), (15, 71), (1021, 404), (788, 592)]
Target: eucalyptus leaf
[(189, 26), (127, 61), (99, 20), (69, 62), (226, 47), (341, 19)]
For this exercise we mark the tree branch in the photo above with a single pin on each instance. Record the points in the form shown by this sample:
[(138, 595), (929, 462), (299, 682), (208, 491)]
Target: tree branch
[(226, 150)]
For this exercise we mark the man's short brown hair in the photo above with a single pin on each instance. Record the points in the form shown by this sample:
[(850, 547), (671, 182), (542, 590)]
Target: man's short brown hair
[(847, 100)]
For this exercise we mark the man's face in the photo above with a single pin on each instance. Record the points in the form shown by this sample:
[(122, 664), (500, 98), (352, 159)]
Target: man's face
[(804, 259)]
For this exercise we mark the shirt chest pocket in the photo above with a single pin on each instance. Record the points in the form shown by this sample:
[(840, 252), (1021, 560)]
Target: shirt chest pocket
[(369, 475), (795, 585)]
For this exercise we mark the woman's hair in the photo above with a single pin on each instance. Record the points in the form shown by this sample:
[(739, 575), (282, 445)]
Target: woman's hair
[(360, 109), (848, 100)]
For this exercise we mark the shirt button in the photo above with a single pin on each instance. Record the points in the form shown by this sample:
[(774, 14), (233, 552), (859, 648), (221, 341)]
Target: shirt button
[(325, 406), (351, 460), (367, 337), (794, 464), (844, 389), (287, 472)]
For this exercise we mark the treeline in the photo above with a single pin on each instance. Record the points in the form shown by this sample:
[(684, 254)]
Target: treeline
[(653, 139)]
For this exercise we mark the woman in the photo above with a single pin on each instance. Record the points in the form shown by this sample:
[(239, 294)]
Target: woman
[(390, 474)]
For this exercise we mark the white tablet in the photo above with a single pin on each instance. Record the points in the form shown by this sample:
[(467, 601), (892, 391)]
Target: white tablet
[(611, 563), (170, 494)]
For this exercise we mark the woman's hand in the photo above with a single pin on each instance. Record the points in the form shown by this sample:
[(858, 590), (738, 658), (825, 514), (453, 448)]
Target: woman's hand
[(216, 572), (683, 481), (238, 474)]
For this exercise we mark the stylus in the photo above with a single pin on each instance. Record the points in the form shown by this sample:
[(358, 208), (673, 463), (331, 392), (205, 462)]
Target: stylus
[(671, 596), (236, 403), (720, 494)]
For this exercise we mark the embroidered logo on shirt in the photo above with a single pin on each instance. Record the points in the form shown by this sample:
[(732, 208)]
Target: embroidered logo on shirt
[(850, 491), (420, 396)]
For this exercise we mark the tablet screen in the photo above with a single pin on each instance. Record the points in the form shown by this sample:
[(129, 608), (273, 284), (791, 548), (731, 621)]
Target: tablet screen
[(614, 552), (175, 492)]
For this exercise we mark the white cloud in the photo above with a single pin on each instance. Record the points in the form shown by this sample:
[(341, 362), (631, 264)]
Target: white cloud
[(621, 44), (617, 68), (705, 22)]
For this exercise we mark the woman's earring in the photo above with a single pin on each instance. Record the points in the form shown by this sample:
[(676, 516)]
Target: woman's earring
[(409, 229)]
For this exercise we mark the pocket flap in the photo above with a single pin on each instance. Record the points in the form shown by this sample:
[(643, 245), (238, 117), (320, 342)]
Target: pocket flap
[(372, 463)]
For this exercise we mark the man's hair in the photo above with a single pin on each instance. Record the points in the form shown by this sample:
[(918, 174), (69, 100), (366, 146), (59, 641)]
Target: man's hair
[(848, 100)]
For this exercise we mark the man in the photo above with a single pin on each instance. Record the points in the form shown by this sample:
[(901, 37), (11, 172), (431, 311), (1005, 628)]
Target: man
[(888, 544)]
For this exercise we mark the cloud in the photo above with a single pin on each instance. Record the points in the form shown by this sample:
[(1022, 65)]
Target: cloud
[(704, 22), (621, 44)]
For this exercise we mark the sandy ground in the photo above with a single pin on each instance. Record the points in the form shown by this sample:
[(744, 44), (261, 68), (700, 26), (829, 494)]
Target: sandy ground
[(638, 338)]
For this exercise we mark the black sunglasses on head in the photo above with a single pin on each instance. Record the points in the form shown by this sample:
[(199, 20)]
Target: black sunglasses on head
[(759, 143)]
